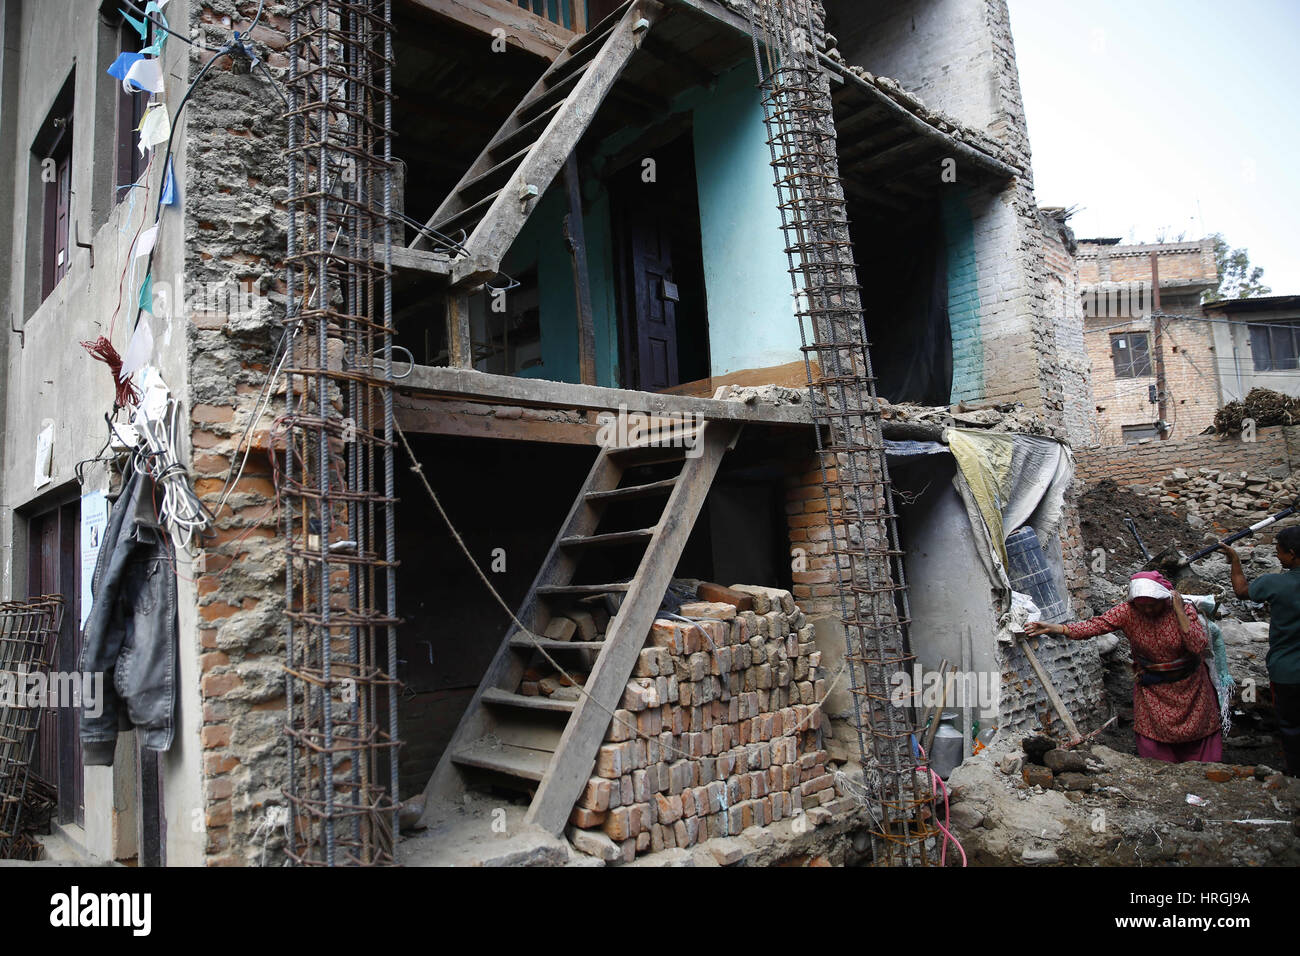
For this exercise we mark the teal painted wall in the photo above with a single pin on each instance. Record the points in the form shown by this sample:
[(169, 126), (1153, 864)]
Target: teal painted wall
[(541, 243), (963, 299), (751, 314), (751, 319)]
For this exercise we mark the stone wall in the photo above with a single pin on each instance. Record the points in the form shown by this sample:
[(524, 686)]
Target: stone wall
[(235, 217)]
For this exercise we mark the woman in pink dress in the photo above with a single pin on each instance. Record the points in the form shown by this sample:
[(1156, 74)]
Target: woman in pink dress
[(1175, 707)]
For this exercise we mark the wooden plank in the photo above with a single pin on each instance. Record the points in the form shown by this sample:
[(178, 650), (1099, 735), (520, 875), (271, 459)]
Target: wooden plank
[(549, 645), (664, 487), (507, 666), (523, 28), (575, 235), (1048, 686), (581, 590), (610, 538), (431, 421), (459, 346), (505, 698), (522, 762), (500, 227), (472, 385), (624, 639), (417, 260)]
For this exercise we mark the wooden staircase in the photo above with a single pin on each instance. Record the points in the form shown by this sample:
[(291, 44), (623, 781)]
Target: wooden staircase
[(548, 746), (494, 198)]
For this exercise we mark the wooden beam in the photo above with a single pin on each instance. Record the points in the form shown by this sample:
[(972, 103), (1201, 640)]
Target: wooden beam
[(471, 385), (575, 235), (431, 420), (524, 29), (458, 335)]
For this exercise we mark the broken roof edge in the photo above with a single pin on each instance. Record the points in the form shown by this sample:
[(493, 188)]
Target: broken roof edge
[(909, 109)]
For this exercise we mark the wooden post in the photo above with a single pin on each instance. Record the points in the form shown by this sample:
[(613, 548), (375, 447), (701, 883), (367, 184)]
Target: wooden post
[(460, 353), (575, 236)]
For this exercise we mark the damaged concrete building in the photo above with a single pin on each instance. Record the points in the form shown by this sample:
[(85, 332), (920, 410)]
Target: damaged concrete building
[(492, 235)]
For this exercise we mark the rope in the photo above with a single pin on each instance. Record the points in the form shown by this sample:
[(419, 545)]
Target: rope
[(419, 471)]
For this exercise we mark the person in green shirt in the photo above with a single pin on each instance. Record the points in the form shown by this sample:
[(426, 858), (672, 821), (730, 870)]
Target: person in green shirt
[(1281, 592)]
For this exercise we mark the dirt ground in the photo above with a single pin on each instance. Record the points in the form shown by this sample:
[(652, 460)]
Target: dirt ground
[(1125, 812)]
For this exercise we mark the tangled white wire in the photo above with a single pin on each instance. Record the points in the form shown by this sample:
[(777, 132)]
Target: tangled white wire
[(157, 423)]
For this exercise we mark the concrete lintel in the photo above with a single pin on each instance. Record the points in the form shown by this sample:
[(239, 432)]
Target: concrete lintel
[(472, 385)]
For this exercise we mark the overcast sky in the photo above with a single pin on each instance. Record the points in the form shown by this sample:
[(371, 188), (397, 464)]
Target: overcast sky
[(1179, 115)]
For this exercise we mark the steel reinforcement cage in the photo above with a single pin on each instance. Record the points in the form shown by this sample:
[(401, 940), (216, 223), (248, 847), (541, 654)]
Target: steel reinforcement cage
[(337, 489), (868, 572)]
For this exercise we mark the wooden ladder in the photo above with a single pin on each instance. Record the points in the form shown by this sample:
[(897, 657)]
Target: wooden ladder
[(496, 195), (549, 746)]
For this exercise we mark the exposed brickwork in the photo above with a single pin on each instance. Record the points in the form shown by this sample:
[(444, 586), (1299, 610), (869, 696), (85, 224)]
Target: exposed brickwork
[(1115, 281), (234, 208), (718, 731), (1149, 462)]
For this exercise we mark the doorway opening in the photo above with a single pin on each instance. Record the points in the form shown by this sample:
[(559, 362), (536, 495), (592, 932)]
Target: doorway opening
[(659, 273)]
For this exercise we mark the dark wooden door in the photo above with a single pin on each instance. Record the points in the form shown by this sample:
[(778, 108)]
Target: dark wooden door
[(655, 310), (54, 567)]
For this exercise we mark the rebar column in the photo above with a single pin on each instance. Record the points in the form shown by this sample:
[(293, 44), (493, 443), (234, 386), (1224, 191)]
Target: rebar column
[(867, 571), (337, 490)]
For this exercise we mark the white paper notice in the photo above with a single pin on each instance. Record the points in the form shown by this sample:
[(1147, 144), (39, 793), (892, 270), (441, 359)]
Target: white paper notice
[(44, 455), (94, 518)]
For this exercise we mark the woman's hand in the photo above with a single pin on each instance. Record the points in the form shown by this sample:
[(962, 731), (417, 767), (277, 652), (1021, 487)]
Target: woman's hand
[(1180, 612), (1038, 628)]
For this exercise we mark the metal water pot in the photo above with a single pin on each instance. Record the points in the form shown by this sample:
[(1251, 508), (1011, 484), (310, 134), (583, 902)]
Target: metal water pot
[(946, 754)]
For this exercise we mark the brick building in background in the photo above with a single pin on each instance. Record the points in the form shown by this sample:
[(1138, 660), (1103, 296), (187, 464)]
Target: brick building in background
[(1142, 366), (683, 289)]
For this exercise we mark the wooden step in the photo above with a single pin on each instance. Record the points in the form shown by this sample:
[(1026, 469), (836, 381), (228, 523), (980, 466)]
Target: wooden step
[(494, 178), (467, 218), (505, 698), (578, 61), (647, 490), (578, 590), (524, 642), (524, 137), (609, 538), (598, 31), (553, 94), (523, 763)]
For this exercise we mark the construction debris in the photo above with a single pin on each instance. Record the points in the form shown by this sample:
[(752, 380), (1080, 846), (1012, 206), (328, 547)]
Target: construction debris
[(1264, 406)]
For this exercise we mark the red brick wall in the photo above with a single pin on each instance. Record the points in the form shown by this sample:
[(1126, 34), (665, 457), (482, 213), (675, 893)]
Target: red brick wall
[(1146, 463)]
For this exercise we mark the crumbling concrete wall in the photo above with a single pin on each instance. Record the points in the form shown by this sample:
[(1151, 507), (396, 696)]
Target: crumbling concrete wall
[(49, 377), (1065, 312), (235, 217)]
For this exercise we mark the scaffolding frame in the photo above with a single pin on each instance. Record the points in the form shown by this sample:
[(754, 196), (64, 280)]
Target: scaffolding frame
[(337, 488), (867, 573)]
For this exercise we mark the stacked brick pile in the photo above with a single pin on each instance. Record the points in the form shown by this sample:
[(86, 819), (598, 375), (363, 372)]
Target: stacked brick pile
[(717, 732)]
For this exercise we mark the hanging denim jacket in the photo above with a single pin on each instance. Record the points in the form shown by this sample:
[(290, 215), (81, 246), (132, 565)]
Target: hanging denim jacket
[(131, 634)]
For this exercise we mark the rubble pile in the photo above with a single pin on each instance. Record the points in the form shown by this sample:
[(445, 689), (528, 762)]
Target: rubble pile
[(1264, 406), (1043, 805), (717, 733), (1220, 501)]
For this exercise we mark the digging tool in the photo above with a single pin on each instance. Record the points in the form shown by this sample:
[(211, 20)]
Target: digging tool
[(1132, 526), (1167, 560)]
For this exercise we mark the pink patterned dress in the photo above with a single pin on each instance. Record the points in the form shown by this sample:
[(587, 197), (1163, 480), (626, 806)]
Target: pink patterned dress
[(1175, 713)]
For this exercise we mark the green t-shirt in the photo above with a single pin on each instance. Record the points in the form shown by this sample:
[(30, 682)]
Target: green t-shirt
[(1282, 594)]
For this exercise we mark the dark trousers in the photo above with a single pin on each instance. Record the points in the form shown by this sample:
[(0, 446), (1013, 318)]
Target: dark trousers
[(1286, 701)]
